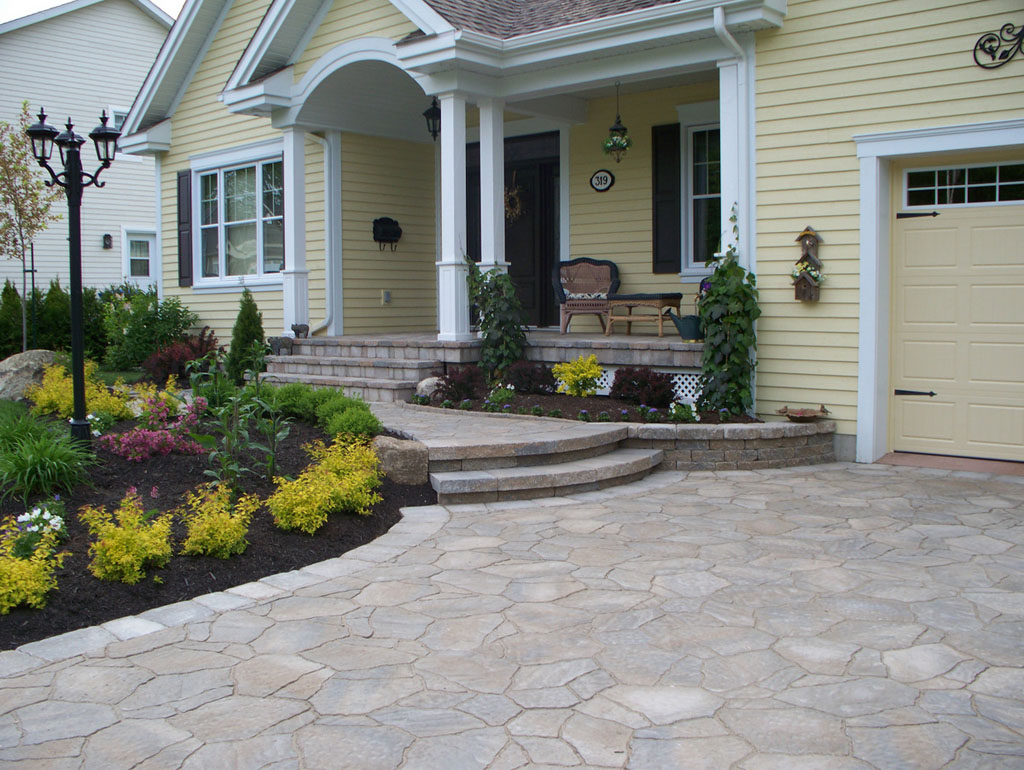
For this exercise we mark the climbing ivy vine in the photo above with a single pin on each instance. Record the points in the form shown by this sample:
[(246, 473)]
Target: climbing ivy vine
[(728, 309)]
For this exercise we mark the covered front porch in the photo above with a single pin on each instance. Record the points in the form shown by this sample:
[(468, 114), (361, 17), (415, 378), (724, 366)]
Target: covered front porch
[(359, 106), (387, 367)]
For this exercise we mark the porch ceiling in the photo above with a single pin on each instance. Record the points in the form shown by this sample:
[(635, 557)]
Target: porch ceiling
[(368, 98)]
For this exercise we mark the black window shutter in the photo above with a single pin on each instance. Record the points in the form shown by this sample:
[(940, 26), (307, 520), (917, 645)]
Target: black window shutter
[(667, 198), (184, 228)]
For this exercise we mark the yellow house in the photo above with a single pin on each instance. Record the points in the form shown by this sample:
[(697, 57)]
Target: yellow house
[(284, 129)]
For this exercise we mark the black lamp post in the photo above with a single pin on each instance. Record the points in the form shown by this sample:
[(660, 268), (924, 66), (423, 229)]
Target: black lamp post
[(74, 180)]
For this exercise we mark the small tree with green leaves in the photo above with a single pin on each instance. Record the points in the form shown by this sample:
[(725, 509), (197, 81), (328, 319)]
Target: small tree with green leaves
[(728, 309), (25, 200), (247, 339), (501, 319)]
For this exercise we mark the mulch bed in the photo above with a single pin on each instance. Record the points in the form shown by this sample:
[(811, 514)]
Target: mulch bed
[(82, 600), (571, 406)]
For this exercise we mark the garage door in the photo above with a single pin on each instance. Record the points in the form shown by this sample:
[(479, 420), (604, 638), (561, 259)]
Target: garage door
[(958, 311)]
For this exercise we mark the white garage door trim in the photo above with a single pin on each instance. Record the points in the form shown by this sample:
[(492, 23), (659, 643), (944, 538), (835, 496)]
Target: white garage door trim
[(875, 152)]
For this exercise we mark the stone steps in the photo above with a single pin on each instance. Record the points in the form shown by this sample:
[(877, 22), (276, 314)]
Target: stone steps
[(578, 442), (371, 390), (352, 367), (619, 466)]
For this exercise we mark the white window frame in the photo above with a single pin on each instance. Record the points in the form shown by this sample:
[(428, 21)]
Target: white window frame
[(905, 192), (698, 116), (219, 162), (129, 234)]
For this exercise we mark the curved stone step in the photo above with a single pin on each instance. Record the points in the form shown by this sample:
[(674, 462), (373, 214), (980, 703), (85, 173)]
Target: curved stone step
[(526, 482)]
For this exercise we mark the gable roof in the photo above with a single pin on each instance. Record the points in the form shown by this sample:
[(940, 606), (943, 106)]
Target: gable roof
[(144, 5), (510, 18)]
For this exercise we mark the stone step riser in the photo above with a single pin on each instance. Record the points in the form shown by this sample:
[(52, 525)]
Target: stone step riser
[(522, 461), (392, 351), (374, 372), (379, 390), (523, 483)]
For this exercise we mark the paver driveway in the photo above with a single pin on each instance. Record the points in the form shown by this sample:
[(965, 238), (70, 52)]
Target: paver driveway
[(835, 617)]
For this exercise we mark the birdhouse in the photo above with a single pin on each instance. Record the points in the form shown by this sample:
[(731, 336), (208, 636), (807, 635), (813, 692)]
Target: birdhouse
[(806, 288), (809, 241)]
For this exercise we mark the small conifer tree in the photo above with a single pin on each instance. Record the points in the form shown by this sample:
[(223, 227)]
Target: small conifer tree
[(246, 338)]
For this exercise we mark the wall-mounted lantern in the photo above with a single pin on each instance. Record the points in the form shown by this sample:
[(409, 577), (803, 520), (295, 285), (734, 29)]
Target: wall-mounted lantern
[(807, 274), (433, 117), (108, 241), (386, 231)]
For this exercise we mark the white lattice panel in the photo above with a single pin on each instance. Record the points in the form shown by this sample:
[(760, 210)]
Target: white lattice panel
[(686, 383)]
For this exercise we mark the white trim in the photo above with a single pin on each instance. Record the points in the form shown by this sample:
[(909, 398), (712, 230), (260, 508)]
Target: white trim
[(254, 52), (295, 300), (165, 59), (875, 152), (146, 6), (696, 115), (423, 16), (492, 184), (158, 224), (218, 162), (242, 154), (154, 140)]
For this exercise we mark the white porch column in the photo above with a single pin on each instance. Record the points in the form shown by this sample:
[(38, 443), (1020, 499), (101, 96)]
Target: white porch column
[(735, 100), (452, 294), (295, 276), (492, 184)]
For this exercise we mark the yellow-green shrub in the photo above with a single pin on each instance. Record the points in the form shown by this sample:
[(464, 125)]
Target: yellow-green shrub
[(579, 377), (216, 526), (27, 580), (342, 478), (127, 542), (155, 404), (55, 396)]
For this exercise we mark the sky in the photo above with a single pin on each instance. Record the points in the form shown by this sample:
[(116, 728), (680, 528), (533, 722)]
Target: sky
[(14, 9)]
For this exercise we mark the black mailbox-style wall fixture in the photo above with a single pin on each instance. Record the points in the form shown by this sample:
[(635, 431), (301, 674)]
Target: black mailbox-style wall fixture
[(386, 231)]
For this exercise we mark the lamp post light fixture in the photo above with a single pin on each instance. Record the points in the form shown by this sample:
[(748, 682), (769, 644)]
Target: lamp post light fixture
[(74, 181), (433, 117)]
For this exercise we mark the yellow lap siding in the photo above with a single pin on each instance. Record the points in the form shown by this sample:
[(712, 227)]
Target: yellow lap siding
[(388, 178), (349, 20)]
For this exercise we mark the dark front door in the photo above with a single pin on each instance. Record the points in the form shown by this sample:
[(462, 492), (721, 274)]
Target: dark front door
[(531, 220)]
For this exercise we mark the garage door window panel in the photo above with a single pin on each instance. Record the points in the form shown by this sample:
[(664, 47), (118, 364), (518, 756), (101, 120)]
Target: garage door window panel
[(966, 185)]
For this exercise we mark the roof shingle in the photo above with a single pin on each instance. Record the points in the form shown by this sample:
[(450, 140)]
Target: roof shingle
[(510, 18)]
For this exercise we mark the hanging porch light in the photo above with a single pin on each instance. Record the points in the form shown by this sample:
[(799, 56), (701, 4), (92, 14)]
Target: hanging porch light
[(618, 140)]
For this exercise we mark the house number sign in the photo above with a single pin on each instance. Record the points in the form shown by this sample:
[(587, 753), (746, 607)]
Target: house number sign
[(602, 180), (994, 49)]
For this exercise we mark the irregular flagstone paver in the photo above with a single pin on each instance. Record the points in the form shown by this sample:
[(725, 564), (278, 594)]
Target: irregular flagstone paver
[(842, 617)]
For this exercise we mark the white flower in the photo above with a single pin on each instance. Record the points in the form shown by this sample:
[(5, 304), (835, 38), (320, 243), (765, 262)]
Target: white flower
[(23, 518), (32, 528), (46, 515), (55, 525), (95, 432), (696, 416)]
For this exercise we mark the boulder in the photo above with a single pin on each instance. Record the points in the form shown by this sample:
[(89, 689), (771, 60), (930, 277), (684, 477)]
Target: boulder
[(23, 369), (428, 386), (404, 462)]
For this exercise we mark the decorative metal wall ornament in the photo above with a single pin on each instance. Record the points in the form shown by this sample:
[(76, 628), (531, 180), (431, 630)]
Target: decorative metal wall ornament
[(994, 49), (618, 140), (513, 201)]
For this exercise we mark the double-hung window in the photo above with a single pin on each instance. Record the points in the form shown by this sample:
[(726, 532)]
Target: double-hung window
[(240, 222), (704, 196), (687, 176)]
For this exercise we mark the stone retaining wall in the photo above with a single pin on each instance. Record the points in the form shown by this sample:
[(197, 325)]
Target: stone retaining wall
[(743, 447)]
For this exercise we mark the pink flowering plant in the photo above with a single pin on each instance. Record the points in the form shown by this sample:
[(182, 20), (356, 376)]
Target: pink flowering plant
[(166, 432)]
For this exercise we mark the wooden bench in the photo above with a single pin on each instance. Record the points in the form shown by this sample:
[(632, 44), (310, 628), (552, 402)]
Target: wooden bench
[(616, 302)]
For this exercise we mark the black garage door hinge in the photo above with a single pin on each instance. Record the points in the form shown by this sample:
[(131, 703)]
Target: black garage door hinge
[(899, 392), (915, 214)]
